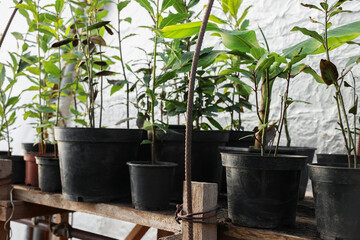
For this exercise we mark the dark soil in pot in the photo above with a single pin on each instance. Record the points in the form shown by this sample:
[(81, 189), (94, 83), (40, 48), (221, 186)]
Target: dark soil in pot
[(262, 191), (31, 169), (49, 173), (205, 161), (336, 195), (93, 162), (151, 185), (302, 151)]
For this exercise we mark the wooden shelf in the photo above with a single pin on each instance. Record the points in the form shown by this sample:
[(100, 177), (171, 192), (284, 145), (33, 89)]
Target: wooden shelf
[(163, 220)]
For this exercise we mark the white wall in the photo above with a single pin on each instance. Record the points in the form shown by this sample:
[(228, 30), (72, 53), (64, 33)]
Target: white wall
[(310, 125)]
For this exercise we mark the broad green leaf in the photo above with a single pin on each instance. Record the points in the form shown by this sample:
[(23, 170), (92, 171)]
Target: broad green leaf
[(122, 5), (50, 17), (29, 7), (116, 88), (338, 3), (352, 60), (224, 5), (312, 72), (244, 89), (336, 37), (257, 52), (324, 6), (173, 19), (234, 6), (59, 4), (184, 30), (264, 63), (146, 5), (217, 20), (81, 122), (47, 30), (179, 6), (166, 4), (34, 70), (241, 41), (52, 69), (310, 33)]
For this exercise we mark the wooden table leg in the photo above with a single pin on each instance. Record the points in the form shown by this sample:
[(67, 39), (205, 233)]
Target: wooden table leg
[(137, 233)]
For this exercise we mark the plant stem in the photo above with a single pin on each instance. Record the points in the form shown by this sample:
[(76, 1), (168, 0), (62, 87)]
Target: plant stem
[(153, 142), (124, 72), (288, 138), (8, 24), (282, 119), (325, 36)]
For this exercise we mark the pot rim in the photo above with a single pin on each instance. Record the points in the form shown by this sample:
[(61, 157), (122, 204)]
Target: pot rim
[(149, 165)]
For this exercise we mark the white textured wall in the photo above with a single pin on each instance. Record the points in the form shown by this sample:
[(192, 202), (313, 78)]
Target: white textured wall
[(310, 125)]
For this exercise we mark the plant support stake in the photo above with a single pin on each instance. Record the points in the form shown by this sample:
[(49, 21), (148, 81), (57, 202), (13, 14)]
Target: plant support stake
[(189, 110)]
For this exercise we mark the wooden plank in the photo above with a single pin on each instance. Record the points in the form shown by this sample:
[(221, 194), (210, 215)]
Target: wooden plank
[(163, 233), (160, 219), (3, 233), (7, 203), (227, 231), (137, 232), (27, 210), (177, 236), (5, 168), (204, 198)]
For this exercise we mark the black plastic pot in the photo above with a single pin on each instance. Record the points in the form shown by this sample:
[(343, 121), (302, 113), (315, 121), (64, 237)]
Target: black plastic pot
[(336, 195), (205, 161), (302, 151), (49, 173), (151, 185), (262, 192), (93, 162), (18, 169)]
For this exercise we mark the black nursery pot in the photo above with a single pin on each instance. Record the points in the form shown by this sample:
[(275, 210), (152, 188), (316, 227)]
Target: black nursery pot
[(334, 159), (262, 192), (239, 139), (18, 169), (301, 151), (93, 162), (151, 185), (205, 161), (336, 195), (49, 173)]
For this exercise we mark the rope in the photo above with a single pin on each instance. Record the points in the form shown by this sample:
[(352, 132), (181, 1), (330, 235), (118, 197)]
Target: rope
[(7, 222), (189, 110), (180, 215)]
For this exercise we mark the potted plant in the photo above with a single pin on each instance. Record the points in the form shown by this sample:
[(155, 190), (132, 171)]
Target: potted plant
[(92, 160), (336, 187), (151, 182)]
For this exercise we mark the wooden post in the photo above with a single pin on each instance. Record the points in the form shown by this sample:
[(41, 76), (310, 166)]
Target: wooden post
[(59, 218), (204, 198), (3, 233)]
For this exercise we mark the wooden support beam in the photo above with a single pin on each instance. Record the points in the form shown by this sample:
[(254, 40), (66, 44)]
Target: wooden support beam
[(163, 233), (59, 218), (204, 198), (137, 232), (3, 233), (177, 236)]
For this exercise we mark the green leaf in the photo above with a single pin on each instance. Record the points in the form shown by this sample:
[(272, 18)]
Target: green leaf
[(184, 30), (241, 41), (59, 4), (50, 17), (165, 77), (214, 123), (264, 63), (146, 5), (311, 6), (97, 25), (257, 52), (217, 20), (166, 4), (336, 37), (34, 70), (74, 111), (324, 6), (147, 125), (310, 33), (353, 109), (46, 109), (62, 42), (52, 69), (352, 60), (233, 6), (2, 74), (105, 73), (243, 16), (312, 72), (243, 89), (18, 36), (116, 88), (29, 7), (122, 5), (173, 19), (81, 122)]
